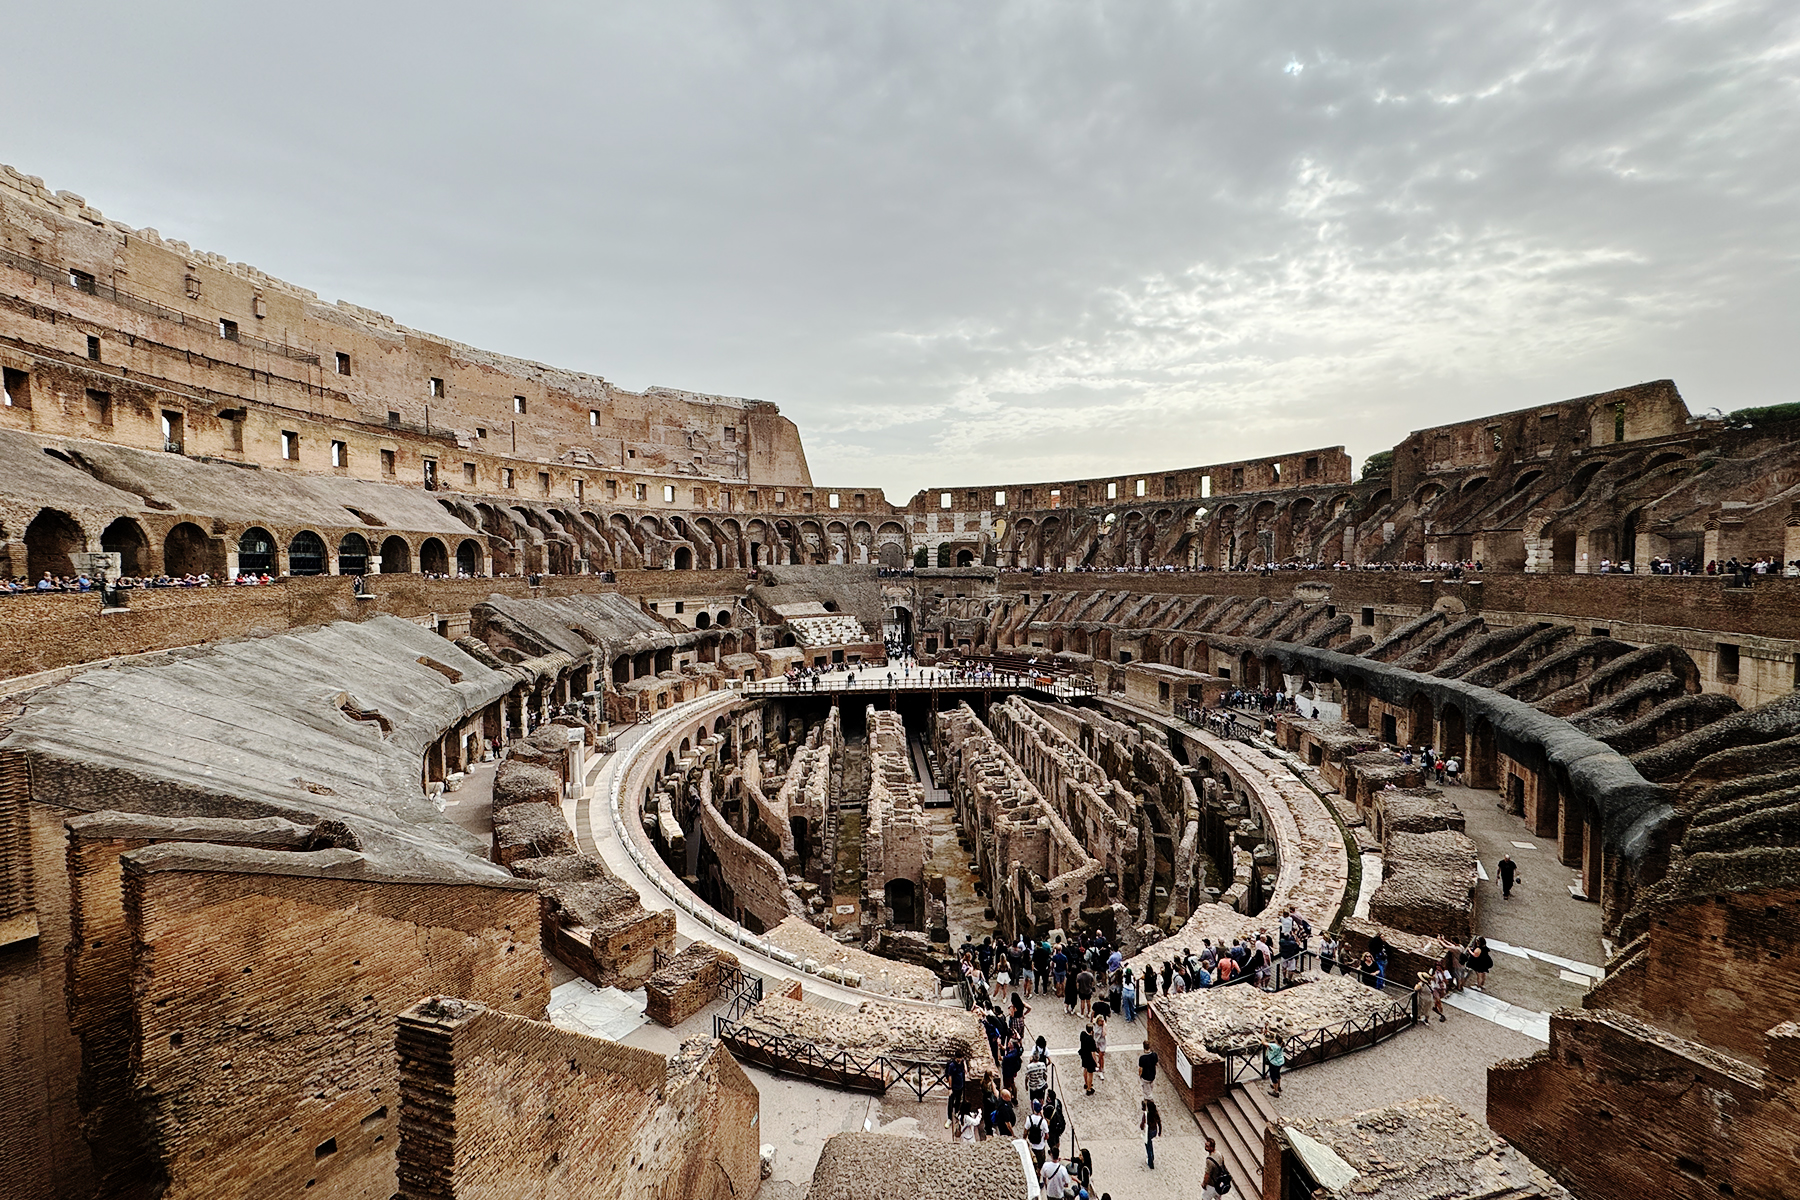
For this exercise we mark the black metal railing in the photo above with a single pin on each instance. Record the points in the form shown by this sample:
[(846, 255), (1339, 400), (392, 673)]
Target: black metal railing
[(91, 286), (1329, 1041)]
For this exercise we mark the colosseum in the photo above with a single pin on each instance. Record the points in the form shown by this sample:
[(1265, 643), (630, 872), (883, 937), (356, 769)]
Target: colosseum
[(426, 773)]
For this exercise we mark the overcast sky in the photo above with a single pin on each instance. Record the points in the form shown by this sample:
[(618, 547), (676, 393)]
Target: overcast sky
[(974, 242)]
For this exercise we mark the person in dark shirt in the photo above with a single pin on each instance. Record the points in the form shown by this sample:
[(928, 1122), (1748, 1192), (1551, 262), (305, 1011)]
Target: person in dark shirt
[(1003, 1117), (956, 1074), (1090, 1050), (1147, 1069), (1509, 870)]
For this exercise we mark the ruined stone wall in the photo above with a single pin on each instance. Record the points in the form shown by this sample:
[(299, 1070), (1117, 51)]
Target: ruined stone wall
[(1040, 876), (42, 1150), (896, 839), (1616, 1108), (760, 893), (264, 1009), (498, 1105), (1710, 965)]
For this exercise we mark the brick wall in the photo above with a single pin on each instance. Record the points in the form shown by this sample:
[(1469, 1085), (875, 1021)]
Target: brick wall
[(500, 1106), (686, 983), (1208, 1069), (42, 1152), (40, 633), (1618, 1110), (266, 1006), (1713, 967)]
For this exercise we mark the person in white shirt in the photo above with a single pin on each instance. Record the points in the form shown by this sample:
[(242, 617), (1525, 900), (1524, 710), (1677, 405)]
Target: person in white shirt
[(1055, 1178)]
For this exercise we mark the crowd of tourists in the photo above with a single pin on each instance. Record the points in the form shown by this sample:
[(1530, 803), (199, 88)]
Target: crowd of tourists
[(1089, 975)]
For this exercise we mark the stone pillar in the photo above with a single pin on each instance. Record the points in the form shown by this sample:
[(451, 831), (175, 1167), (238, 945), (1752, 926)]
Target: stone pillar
[(1574, 826)]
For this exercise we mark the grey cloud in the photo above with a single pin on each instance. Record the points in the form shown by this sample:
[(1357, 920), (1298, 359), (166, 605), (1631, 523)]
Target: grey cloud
[(1002, 241)]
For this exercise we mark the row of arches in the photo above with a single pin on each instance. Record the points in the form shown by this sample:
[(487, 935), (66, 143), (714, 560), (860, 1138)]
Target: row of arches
[(53, 538)]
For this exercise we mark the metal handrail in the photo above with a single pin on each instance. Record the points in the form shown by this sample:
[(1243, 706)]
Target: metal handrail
[(1312, 1046)]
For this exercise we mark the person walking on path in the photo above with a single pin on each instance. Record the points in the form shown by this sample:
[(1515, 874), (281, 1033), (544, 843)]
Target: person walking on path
[(1147, 1069), (1084, 991), (1509, 874), (1100, 1044), (956, 1074), (1151, 1124), (1275, 1058), (1087, 1059), (1209, 1174), (1055, 1178)]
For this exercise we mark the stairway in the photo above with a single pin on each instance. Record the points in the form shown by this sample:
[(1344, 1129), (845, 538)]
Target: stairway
[(1235, 1122)]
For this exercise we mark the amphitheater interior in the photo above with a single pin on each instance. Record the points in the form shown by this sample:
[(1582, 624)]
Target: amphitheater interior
[(427, 773)]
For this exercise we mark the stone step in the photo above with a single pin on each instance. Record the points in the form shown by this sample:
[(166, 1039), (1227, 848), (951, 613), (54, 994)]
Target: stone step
[(1245, 1121), (1246, 1171)]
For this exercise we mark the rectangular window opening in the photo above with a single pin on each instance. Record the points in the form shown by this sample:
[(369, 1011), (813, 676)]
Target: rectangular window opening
[(593, 416), (481, 431), (431, 475), (290, 445), (171, 431), (340, 454), (1728, 662), (1112, 491), (435, 388), (93, 348), (1368, 617), (518, 404), (831, 499), (640, 491), (506, 478), (668, 493), (1143, 487), (1000, 499), (387, 462), (469, 474), (81, 281), (228, 329), (945, 500), (731, 435), (544, 482), (1206, 487), (343, 363), (393, 418), (18, 389)]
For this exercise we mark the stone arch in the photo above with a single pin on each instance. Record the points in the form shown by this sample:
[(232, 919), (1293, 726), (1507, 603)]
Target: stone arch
[(189, 550), (306, 554), (468, 557), (1421, 722), (396, 556), (434, 557), (51, 541), (1480, 481), (965, 557), (1453, 732), (126, 538), (684, 558), (703, 620), (1524, 481), (353, 555), (256, 551)]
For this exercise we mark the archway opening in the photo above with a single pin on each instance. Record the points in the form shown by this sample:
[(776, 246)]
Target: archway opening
[(965, 558), (434, 559), (468, 558), (126, 538), (51, 541), (396, 556), (306, 554), (256, 551), (901, 897), (189, 551), (684, 558), (353, 555), (703, 620)]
